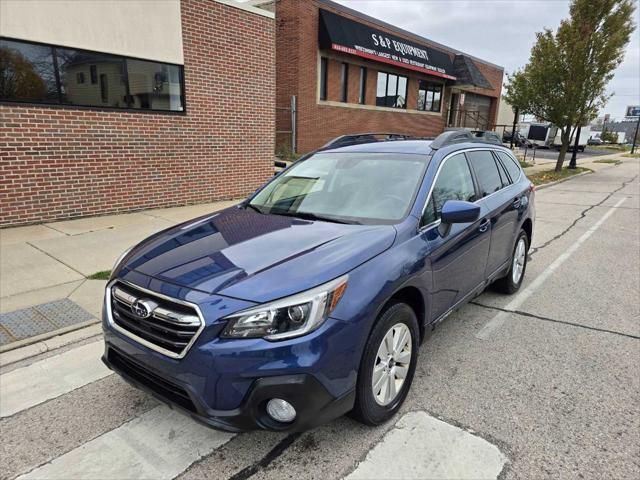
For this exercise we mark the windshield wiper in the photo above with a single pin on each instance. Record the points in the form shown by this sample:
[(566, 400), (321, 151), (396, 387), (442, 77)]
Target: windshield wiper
[(253, 207), (315, 216)]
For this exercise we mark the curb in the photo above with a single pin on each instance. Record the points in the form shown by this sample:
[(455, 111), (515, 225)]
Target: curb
[(21, 353), (47, 335)]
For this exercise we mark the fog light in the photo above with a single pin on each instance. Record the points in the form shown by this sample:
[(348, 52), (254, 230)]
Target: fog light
[(281, 410)]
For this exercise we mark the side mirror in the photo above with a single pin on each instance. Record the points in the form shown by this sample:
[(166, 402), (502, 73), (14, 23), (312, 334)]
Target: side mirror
[(457, 211)]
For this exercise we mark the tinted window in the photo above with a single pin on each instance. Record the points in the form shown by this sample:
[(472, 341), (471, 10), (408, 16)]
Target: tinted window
[(511, 165), (363, 85), (486, 170), (27, 72), (323, 78), (454, 182), (429, 96), (108, 85), (154, 86), (506, 181)]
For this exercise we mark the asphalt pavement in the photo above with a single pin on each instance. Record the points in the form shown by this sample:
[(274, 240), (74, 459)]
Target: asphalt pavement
[(542, 384)]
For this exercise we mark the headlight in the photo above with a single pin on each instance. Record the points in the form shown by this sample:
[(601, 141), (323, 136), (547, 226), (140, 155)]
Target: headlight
[(288, 317)]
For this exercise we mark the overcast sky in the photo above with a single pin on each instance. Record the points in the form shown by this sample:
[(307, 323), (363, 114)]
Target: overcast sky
[(500, 31)]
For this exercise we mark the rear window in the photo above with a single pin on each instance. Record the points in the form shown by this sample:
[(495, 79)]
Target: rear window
[(510, 164)]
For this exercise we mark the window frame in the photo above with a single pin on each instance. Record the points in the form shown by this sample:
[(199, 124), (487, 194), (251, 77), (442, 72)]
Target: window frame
[(422, 228), (344, 82), (514, 160), (324, 69), (426, 92), (123, 58), (362, 94), (386, 89)]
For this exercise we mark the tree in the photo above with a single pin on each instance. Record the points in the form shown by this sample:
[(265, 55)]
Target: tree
[(18, 79), (564, 81)]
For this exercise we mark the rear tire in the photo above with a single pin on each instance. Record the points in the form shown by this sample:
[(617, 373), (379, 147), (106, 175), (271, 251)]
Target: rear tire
[(512, 281), (385, 374)]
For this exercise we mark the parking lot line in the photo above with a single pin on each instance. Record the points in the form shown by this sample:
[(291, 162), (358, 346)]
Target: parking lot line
[(496, 322), (421, 446), (29, 386), (160, 444)]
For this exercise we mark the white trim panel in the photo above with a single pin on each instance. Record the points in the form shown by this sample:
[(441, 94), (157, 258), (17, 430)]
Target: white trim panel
[(133, 28)]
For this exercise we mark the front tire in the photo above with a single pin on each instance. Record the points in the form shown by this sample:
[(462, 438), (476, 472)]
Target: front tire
[(511, 282), (387, 366)]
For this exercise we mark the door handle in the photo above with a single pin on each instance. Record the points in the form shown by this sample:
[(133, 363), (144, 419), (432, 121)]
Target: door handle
[(516, 203), (484, 225)]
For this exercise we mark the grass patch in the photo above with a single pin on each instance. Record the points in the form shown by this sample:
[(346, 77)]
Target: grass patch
[(525, 164), (631, 155), (548, 176), (613, 161), (619, 148), (104, 275)]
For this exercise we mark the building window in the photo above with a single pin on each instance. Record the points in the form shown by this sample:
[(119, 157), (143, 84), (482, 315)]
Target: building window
[(344, 82), (323, 78), (27, 72), (429, 96), (48, 74), (94, 74), (362, 95), (153, 85), (391, 90)]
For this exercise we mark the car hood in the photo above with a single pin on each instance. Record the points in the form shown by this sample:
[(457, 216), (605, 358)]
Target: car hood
[(251, 256)]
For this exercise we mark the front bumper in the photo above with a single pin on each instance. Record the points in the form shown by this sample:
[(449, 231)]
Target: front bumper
[(313, 403)]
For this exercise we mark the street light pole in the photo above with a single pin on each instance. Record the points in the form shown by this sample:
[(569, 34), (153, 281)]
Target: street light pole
[(572, 163), (635, 136)]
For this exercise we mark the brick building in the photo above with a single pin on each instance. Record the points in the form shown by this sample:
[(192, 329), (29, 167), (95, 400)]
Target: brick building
[(117, 106), (353, 73)]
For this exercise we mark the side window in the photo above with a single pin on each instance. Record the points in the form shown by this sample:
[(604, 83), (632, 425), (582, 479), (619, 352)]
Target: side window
[(486, 170), (510, 164), (506, 181), (454, 182)]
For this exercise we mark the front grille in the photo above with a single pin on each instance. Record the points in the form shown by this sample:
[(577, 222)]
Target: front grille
[(163, 387), (165, 325)]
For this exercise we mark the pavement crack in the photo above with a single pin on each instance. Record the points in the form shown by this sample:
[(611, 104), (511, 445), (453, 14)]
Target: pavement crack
[(553, 320), (57, 260), (583, 214), (265, 461)]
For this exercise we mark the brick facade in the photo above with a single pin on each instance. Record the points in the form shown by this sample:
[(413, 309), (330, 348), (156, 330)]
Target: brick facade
[(297, 57), (60, 162)]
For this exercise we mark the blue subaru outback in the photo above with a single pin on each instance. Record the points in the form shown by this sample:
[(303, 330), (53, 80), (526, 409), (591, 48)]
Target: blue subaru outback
[(310, 299)]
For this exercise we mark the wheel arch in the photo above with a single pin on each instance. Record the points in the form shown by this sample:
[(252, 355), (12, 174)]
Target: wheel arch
[(413, 297), (527, 226)]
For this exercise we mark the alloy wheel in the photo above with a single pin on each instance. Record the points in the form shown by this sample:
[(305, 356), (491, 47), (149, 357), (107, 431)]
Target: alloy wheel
[(519, 259), (391, 364)]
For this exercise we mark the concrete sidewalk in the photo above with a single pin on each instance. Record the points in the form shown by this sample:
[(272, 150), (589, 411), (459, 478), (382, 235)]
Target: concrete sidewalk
[(44, 269)]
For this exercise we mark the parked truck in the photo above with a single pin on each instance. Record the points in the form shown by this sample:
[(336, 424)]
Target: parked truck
[(547, 135)]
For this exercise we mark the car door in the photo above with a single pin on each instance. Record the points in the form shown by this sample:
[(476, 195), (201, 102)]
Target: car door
[(457, 259), (498, 199)]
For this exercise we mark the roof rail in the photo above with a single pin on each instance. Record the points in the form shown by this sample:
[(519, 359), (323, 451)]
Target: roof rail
[(369, 137), (452, 136)]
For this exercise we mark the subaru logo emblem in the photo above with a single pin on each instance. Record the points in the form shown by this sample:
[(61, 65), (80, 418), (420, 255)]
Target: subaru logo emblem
[(142, 308)]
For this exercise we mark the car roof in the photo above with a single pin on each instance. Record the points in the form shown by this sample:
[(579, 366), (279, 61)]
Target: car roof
[(418, 147)]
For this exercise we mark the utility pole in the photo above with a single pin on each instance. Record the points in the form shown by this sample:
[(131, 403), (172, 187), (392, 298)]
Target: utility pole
[(513, 130), (635, 136), (572, 163)]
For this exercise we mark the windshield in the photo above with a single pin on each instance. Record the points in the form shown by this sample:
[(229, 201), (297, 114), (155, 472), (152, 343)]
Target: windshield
[(349, 187)]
